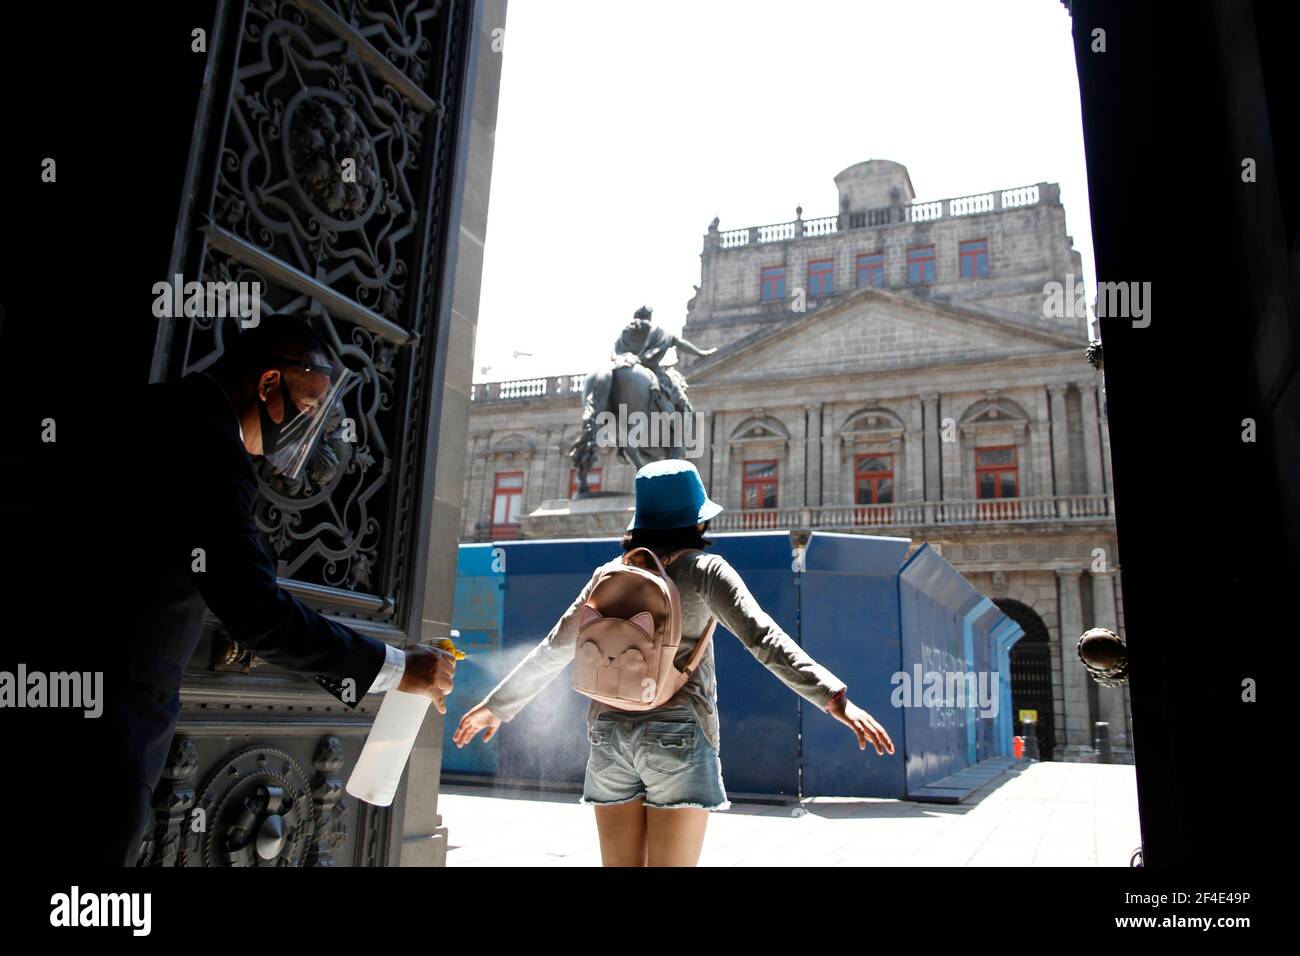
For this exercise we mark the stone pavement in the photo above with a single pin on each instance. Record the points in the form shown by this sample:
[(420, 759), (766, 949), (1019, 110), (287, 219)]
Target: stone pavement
[(1048, 814)]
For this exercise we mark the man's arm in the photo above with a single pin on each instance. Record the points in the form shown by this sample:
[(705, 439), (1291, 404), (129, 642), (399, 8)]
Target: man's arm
[(239, 585)]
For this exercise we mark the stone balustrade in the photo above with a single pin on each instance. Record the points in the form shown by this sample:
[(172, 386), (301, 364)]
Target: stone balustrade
[(913, 212), (919, 514), (550, 386)]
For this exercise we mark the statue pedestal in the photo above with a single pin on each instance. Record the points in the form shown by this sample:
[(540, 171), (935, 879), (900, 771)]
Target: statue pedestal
[(598, 514)]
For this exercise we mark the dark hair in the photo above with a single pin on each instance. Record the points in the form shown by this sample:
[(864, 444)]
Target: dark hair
[(666, 540), (282, 336)]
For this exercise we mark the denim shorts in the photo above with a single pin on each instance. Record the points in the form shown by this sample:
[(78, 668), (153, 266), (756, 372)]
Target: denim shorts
[(660, 756)]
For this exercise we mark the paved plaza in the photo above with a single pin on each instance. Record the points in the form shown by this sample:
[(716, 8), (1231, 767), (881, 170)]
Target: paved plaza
[(1045, 814)]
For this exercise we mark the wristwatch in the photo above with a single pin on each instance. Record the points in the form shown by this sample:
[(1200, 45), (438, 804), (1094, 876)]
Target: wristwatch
[(834, 697)]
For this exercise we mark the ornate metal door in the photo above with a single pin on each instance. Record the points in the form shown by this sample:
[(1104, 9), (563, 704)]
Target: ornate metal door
[(295, 87)]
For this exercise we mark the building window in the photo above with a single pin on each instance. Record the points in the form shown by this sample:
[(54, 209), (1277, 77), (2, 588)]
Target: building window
[(871, 270), (920, 265), (821, 274), (760, 484), (997, 478), (873, 487), (873, 479), (593, 480), (773, 282), (973, 258), (507, 502), (758, 492)]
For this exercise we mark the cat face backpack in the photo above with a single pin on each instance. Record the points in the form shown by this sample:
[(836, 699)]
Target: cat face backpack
[(629, 631)]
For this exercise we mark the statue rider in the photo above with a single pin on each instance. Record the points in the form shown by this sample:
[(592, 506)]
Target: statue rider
[(641, 342)]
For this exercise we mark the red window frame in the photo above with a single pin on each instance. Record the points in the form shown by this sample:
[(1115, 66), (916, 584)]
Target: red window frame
[(760, 516), (594, 478), (977, 252), (921, 256), (775, 275), (873, 270), (998, 506), (821, 269), (507, 528), (873, 511)]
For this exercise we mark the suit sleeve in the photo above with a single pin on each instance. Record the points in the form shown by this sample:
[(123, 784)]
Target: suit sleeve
[(239, 583)]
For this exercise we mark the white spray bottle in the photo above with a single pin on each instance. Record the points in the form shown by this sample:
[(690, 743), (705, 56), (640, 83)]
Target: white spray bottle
[(388, 745)]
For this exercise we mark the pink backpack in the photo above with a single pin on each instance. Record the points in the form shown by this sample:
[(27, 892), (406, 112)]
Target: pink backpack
[(629, 630)]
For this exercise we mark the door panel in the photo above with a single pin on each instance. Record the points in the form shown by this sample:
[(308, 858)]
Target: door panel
[(296, 89)]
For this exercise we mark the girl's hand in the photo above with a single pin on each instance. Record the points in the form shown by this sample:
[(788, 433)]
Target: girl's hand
[(863, 724), (476, 719)]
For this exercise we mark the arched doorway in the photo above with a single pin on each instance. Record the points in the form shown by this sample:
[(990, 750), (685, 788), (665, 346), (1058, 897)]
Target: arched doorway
[(1031, 674)]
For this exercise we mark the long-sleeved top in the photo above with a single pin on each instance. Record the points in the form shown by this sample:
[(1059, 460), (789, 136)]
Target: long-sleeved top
[(707, 585)]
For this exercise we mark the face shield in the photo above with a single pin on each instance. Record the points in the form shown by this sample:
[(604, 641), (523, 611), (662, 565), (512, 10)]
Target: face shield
[(308, 392)]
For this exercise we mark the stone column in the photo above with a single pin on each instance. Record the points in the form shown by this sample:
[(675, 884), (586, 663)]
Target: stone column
[(722, 482), (930, 445), (1078, 719), (709, 463), (705, 461), (910, 489), (828, 455), (835, 481), (1110, 699), (1060, 440), (1039, 478), (950, 459), (814, 414), (1091, 437), (797, 455)]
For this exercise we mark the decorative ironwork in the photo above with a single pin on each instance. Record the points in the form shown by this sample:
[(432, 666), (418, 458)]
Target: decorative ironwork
[(256, 808), (329, 809), (317, 85), (172, 802)]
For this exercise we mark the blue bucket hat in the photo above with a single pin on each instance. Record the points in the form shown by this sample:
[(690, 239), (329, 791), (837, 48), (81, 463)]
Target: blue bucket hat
[(670, 494)]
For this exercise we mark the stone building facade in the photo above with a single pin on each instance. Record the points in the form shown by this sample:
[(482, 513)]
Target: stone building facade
[(899, 368)]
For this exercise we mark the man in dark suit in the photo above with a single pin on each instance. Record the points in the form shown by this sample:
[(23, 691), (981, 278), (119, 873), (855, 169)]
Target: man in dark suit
[(190, 520)]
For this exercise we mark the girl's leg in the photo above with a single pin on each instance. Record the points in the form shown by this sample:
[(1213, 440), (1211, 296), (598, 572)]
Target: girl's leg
[(622, 829), (675, 837)]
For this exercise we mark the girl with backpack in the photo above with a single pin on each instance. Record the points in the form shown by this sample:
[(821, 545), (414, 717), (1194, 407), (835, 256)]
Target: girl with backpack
[(654, 772)]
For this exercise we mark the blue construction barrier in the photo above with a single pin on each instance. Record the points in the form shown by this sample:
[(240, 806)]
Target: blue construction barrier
[(850, 623), (878, 622)]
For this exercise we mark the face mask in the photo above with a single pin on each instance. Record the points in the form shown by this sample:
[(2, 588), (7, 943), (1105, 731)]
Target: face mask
[(275, 435), (288, 444)]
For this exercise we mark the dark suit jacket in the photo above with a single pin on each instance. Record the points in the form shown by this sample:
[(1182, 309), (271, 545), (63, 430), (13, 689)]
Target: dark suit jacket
[(199, 491)]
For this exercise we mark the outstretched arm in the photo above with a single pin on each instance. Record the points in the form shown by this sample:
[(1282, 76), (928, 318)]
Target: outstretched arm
[(531, 675), (685, 346), (729, 599)]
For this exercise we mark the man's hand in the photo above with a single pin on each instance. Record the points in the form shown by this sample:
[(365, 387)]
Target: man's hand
[(429, 672), (863, 724), (478, 718)]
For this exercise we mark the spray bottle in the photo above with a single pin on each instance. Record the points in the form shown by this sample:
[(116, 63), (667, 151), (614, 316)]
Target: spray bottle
[(388, 745)]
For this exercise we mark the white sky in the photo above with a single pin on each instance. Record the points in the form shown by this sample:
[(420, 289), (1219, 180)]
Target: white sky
[(624, 127)]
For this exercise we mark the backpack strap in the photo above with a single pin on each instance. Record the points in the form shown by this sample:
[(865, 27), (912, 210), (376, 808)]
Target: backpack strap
[(697, 652), (627, 559), (702, 644)]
